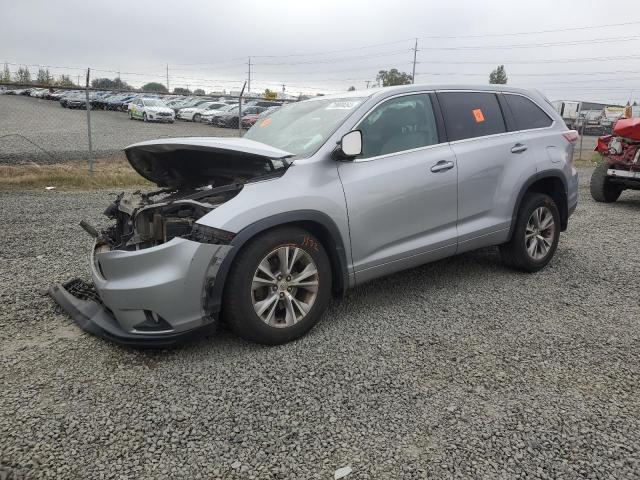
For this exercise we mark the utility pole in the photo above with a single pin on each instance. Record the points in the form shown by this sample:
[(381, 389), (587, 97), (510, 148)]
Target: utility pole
[(368, 82), (415, 52), (88, 107), (283, 88), (249, 79), (168, 90), (240, 110)]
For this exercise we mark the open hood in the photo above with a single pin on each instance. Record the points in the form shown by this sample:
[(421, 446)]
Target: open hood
[(197, 161)]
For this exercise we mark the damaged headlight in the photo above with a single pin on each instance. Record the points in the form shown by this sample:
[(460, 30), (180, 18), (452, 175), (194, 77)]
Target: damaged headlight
[(204, 234)]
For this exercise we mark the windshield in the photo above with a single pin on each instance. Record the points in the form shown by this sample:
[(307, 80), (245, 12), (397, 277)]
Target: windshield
[(301, 128), (153, 103)]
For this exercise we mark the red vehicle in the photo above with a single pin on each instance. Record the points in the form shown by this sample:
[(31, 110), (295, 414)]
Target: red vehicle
[(620, 169), (249, 120)]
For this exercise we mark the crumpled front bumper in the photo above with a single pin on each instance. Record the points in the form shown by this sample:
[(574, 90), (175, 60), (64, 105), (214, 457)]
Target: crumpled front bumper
[(150, 296)]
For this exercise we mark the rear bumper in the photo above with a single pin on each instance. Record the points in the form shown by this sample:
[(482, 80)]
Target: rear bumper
[(155, 295), (628, 174)]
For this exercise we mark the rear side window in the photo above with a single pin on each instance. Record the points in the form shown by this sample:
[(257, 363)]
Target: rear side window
[(471, 114), (527, 114)]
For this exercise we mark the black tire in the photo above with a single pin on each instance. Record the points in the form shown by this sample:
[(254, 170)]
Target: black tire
[(130, 115), (514, 253), (144, 117), (238, 310), (196, 117), (602, 190)]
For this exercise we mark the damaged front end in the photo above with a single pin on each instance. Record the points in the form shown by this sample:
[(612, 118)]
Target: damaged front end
[(154, 267)]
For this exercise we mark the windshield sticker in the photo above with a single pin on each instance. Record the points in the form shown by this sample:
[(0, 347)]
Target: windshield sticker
[(342, 105), (478, 115), (265, 123)]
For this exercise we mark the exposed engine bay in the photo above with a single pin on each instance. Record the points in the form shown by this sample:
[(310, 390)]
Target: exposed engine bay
[(622, 149), (144, 220), (195, 175)]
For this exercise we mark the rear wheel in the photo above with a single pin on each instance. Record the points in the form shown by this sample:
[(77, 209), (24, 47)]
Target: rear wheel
[(535, 236), (278, 287), (130, 115), (602, 190)]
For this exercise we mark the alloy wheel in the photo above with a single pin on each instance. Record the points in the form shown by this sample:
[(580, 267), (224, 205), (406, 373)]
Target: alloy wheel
[(539, 233), (284, 286)]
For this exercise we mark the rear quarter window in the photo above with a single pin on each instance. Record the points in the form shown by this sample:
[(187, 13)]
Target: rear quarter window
[(527, 114), (471, 114)]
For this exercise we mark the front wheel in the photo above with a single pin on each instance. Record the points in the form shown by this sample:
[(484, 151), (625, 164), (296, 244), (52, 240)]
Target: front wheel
[(144, 117), (602, 190), (196, 117), (278, 287), (535, 236)]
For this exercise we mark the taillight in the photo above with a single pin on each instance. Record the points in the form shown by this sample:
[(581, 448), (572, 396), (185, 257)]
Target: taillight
[(571, 136)]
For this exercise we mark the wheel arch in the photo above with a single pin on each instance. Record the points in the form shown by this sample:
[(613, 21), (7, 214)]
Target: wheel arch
[(317, 223), (550, 183)]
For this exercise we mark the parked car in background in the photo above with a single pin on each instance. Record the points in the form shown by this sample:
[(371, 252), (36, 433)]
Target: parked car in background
[(150, 110), (210, 116), (230, 119), (57, 95), (249, 120), (190, 102), (74, 99), (195, 113), (37, 92)]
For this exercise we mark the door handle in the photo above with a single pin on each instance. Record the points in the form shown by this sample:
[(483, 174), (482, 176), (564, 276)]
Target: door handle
[(518, 148), (442, 165)]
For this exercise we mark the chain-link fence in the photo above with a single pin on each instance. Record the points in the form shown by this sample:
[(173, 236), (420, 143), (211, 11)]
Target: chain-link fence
[(45, 124)]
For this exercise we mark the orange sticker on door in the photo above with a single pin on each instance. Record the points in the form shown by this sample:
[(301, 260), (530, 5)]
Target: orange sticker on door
[(478, 115)]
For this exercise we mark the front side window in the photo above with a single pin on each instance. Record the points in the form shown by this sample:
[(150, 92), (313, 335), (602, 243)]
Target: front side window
[(471, 114), (399, 124), (302, 128), (527, 114)]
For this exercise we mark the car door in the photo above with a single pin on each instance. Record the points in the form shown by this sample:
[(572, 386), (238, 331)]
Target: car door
[(490, 165), (401, 193)]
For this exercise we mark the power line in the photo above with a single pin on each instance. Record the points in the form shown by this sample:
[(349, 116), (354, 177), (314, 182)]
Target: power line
[(329, 52), (342, 59), (536, 32), (532, 62), (606, 72), (536, 45)]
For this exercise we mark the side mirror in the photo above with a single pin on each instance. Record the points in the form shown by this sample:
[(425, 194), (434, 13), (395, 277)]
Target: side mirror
[(351, 145)]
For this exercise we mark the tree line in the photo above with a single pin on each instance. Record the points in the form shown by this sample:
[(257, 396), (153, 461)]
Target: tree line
[(22, 76)]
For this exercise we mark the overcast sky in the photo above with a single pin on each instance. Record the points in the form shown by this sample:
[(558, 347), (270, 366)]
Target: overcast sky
[(315, 46)]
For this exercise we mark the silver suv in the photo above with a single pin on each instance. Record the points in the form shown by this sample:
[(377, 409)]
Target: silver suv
[(318, 197)]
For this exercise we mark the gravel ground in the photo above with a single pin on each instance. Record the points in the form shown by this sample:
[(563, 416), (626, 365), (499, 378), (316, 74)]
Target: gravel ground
[(461, 368), (33, 129)]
